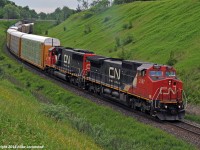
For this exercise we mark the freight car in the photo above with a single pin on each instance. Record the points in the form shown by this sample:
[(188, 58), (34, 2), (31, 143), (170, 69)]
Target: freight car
[(148, 87)]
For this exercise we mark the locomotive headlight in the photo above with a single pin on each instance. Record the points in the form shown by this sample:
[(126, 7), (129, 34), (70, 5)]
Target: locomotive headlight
[(179, 106), (165, 106), (170, 82)]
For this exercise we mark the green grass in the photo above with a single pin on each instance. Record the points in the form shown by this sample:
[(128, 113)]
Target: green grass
[(193, 117), (158, 28), (40, 27), (21, 123)]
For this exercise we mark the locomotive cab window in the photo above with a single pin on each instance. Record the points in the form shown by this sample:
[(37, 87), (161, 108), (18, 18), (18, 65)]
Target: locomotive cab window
[(156, 73), (170, 74)]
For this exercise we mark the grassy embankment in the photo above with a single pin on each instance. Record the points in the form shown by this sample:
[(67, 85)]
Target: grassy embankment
[(25, 120), (40, 27), (148, 31)]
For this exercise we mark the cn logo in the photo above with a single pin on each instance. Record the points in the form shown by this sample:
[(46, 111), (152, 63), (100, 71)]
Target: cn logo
[(114, 73), (67, 59)]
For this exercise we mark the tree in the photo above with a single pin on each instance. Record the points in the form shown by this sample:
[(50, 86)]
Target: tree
[(66, 12), (42, 15), (2, 3), (1, 13), (33, 14), (84, 4), (24, 14), (11, 12), (100, 5)]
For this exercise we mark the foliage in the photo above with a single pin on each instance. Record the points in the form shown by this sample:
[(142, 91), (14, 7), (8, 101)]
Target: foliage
[(87, 29), (106, 19), (128, 26), (172, 61), (99, 5), (127, 1), (128, 39), (9, 10)]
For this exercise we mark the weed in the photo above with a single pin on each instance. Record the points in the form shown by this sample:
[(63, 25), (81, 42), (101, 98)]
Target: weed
[(39, 87), (9, 66), (128, 40), (87, 29), (106, 19), (171, 61), (87, 15), (28, 84), (117, 42), (2, 58), (127, 25)]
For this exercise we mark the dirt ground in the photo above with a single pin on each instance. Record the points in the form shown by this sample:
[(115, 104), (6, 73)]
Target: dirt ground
[(193, 109)]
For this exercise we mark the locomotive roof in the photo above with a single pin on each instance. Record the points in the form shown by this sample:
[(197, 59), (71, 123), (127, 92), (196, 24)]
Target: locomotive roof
[(145, 66), (134, 62), (114, 61), (83, 51), (97, 58), (42, 39)]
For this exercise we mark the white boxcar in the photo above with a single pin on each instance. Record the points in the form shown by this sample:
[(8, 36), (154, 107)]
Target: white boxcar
[(26, 28), (34, 49), (15, 42), (9, 31)]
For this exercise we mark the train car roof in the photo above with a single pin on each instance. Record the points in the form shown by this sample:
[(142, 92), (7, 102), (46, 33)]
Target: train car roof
[(14, 27), (42, 39), (27, 24), (18, 34), (11, 30)]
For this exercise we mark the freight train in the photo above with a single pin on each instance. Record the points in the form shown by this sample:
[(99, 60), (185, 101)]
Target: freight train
[(148, 87)]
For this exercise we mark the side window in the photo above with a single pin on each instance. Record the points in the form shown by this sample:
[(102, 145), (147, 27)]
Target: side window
[(143, 73)]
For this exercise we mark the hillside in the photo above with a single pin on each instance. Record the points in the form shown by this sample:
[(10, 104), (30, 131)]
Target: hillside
[(153, 31)]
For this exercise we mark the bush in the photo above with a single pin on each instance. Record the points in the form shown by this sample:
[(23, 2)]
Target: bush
[(9, 66), (106, 19), (172, 61), (117, 42), (2, 58), (1, 73), (57, 112), (128, 40), (87, 15), (28, 84), (127, 25), (87, 29)]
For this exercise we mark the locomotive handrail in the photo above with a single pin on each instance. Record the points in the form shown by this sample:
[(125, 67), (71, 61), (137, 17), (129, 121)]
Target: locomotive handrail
[(156, 97), (185, 98)]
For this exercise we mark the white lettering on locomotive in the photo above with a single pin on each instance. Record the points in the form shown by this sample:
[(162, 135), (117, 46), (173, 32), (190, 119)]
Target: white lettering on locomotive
[(167, 91), (114, 73), (67, 59)]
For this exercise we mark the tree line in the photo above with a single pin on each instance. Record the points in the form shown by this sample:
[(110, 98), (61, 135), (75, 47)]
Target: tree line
[(9, 10)]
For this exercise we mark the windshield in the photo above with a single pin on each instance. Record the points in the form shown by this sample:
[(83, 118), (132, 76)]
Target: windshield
[(156, 73), (170, 74)]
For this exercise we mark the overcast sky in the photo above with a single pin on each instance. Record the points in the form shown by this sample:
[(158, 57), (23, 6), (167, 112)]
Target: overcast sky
[(46, 5)]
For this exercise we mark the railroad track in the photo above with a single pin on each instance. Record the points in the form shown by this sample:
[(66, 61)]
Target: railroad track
[(190, 127)]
